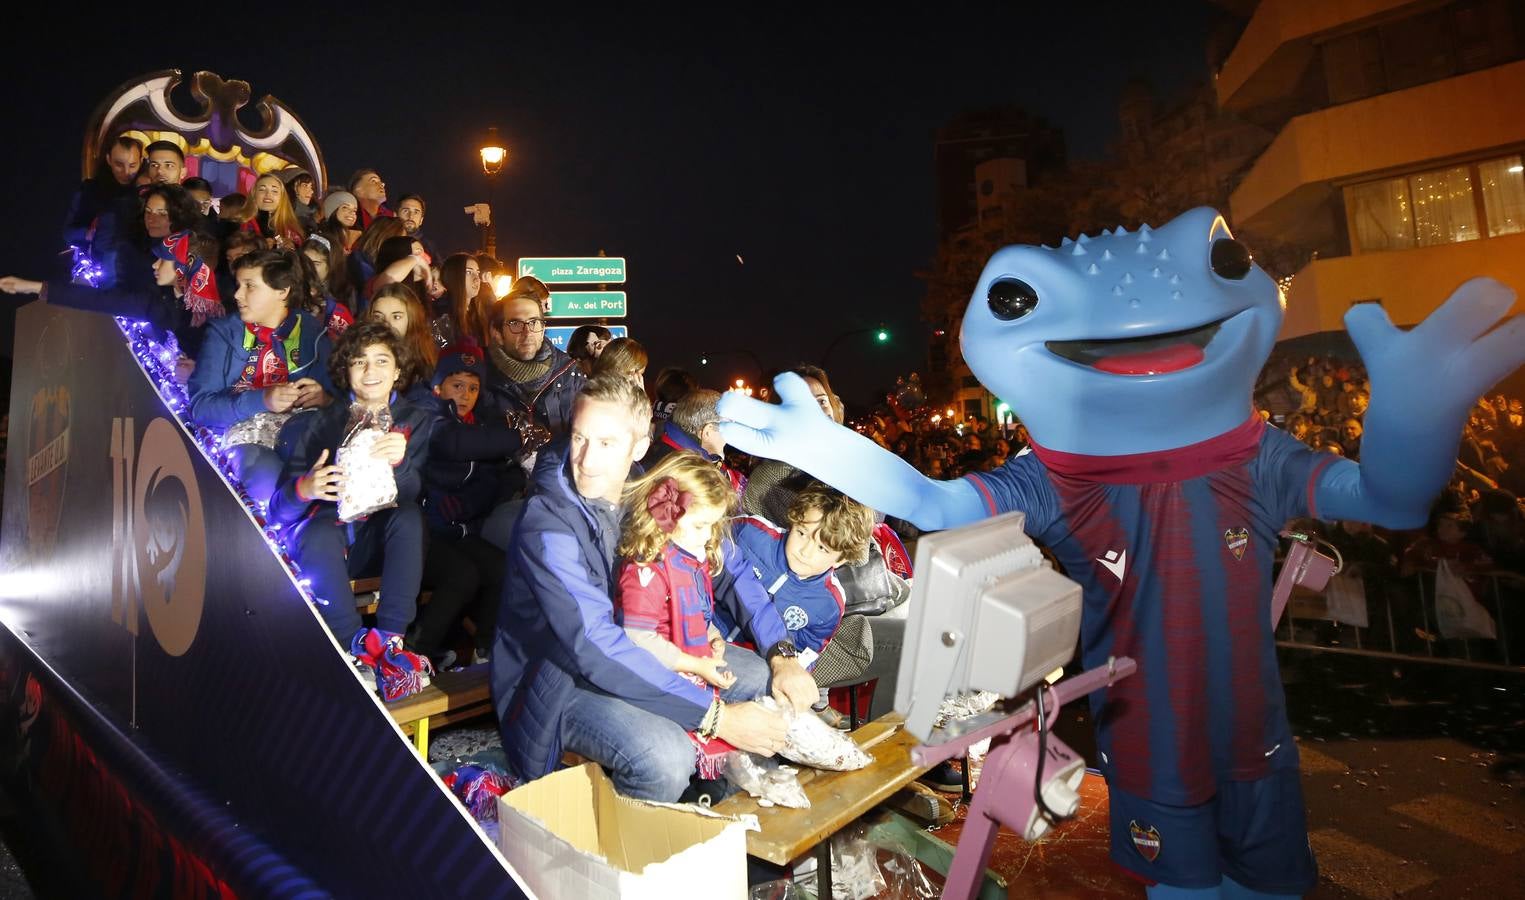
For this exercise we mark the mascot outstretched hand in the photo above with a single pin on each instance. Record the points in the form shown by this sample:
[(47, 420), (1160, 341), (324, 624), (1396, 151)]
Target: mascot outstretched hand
[(1131, 358)]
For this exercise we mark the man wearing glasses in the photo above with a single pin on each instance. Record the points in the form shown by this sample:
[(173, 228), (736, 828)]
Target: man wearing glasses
[(529, 378)]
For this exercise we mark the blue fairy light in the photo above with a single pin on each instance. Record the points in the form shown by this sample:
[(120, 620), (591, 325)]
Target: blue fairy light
[(157, 360)]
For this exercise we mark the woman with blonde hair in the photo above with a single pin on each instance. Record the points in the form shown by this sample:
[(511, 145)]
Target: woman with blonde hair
[(269, 214)]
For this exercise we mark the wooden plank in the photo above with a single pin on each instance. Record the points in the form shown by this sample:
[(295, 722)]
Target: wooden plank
[(837, 798), (366, 591), (447, 691)]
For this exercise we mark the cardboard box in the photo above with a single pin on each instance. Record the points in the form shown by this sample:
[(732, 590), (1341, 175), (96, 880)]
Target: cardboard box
[(570, 835)]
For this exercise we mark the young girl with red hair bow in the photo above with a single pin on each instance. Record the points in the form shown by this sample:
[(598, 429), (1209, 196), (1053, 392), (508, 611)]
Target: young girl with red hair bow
[(671, 547)]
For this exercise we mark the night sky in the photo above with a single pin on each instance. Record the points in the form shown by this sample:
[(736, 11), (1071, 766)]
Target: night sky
[(800, 139)]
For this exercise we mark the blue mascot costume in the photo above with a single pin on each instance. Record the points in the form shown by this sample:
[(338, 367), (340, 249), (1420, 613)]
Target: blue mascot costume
[(1131, 359)]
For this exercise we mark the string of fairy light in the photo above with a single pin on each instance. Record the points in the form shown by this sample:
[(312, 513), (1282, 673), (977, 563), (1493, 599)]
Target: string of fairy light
[(157, 360)]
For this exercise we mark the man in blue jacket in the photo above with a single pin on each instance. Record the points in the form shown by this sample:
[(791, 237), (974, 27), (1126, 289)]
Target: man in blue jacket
[(566, 677)]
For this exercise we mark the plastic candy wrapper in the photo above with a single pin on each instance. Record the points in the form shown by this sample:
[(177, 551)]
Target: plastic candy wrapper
[(906, 879), (962, 706), (765, 779), (855, 871), (866, 862), (368, 482), (813, 743), (782, 889), (260, 428)]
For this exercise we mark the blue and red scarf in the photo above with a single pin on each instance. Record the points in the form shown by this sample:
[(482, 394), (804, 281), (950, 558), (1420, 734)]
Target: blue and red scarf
[(273, 353)]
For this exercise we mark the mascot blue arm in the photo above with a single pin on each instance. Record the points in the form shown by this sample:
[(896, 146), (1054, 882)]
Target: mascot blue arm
[(1131, 343)]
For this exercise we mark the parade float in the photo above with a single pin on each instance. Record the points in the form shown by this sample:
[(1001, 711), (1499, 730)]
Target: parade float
[(174, 718)]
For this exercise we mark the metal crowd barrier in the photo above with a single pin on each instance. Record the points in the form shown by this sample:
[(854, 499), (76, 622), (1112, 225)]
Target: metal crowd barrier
[(1402, 624)]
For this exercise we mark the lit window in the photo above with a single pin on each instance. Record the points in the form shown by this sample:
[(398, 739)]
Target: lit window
[(1503, 186), (1438, 207), (1443, 208), (1380, 214)]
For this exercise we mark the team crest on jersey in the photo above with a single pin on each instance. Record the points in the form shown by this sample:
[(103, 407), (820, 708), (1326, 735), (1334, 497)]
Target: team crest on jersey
[(1146, 840), (795, 618), (1237, 539)]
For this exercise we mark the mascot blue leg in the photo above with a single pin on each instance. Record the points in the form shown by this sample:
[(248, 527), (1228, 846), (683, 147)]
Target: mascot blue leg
[(1233, 890), (1228, 890), (1168, 892)]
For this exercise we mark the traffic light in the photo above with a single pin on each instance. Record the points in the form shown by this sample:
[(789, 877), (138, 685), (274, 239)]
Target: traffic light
[(882, 335), (704, 360)]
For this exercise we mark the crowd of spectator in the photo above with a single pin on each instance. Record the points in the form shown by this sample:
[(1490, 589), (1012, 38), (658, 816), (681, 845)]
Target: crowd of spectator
[(1476, 524), (400, 413)]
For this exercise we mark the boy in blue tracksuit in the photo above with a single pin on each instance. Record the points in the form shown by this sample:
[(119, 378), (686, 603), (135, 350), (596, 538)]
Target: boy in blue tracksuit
[(797, 565)]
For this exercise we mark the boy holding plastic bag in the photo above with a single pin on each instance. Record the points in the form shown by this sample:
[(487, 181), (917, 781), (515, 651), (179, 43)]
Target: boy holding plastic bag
[(349, 490)]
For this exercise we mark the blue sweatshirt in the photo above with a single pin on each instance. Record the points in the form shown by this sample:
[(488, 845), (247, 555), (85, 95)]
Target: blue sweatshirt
[(810, 607)]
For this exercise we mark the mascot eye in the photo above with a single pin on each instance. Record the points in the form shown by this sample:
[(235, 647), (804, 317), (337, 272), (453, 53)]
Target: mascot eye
[(1230, 259), (1011, 298)]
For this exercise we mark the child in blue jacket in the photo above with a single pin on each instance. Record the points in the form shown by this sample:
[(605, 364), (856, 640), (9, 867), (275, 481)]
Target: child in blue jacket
[(271, 358), (798, 565), (469, 474), (371, 366)]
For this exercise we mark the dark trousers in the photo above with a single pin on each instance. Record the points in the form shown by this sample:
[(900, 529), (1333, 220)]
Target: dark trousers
[(464, 577), (390, 542), (257, 467)]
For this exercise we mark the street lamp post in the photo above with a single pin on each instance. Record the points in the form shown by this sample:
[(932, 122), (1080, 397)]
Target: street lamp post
[(494, 154)]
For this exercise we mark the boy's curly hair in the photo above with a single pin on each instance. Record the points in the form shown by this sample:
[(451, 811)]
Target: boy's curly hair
[(642, 539), (846, 525), (352, 344)]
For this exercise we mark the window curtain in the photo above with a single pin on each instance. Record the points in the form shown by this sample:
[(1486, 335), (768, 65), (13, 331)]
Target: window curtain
[(1381, 215), (1503, 186), (1443, 209)]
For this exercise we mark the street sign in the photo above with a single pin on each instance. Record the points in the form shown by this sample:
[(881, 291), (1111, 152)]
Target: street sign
[(575, 269), (559, 335), (587, 304)]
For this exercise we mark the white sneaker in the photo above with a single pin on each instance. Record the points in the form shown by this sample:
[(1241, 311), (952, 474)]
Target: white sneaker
[(365, 673)]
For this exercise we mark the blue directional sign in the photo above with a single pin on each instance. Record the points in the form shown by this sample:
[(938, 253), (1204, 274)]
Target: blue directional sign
[(559, 335)]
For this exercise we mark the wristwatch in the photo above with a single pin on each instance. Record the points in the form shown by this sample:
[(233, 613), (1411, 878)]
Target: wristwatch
[(786, 649)]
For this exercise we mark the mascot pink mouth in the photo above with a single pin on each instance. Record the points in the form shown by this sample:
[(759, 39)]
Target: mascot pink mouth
[(1154, 355)]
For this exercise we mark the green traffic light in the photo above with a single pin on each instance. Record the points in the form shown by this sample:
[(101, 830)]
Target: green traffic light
[(882, 336)]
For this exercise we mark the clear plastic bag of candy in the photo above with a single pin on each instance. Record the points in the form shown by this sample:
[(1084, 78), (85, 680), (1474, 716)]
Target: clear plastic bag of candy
[(765, 779), (260, 428), (368, 484), (813, 743)]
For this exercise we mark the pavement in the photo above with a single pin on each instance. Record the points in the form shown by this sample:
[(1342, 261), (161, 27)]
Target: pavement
[(1413, 773), (1414, 776)]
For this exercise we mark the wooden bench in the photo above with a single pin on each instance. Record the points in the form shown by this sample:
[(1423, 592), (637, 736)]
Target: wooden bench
[(837, 799), (450, 697), (367, 593)]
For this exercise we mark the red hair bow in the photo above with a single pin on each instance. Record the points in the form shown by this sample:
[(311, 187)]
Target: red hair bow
[(667, 504)]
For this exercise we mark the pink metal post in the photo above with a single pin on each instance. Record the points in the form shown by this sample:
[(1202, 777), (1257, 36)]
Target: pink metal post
[(1005, 792)]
